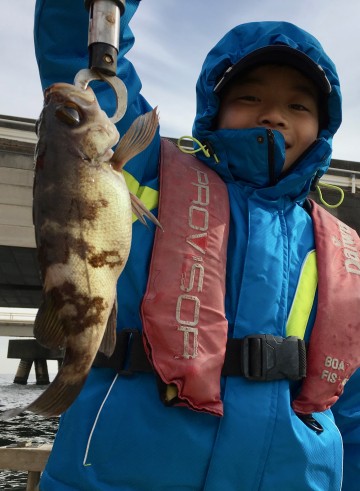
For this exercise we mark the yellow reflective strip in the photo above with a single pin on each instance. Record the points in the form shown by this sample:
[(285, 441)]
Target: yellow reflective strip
[(148, 196), (304, 298), (132, 184)]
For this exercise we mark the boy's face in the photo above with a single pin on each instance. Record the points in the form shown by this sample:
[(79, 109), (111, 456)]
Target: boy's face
[(278, 97)]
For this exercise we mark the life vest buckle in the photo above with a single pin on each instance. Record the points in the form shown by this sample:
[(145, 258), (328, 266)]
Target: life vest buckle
[(266, 357)]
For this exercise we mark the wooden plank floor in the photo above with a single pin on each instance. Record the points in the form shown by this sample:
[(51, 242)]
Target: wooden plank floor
[(27, 459)]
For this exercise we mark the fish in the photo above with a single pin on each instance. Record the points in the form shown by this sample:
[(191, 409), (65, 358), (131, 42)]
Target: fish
[(82, 214)]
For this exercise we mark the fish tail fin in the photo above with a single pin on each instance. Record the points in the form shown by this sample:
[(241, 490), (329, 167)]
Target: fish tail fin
[(12, 413), (140, 210), (52, 402), (55, 399), (136, 139)]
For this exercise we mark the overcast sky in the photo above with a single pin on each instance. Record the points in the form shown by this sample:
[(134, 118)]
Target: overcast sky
[(172, 39)]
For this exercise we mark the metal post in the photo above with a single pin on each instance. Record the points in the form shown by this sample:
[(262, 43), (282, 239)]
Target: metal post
[(41, 372), (23, 371)]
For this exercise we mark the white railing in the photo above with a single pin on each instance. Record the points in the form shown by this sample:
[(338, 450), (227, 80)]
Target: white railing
[(17, 322), (350, 180), (17, 316)]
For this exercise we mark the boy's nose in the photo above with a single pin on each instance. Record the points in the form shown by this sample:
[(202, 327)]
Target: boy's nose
[(272, 117)]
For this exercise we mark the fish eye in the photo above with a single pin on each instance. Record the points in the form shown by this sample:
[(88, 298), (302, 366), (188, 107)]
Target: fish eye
[(69, 114)]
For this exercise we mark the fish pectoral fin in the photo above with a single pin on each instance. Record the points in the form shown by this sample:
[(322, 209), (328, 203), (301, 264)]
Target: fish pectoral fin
[(48, 328), (136, 139), (140, 210), (108, 342)]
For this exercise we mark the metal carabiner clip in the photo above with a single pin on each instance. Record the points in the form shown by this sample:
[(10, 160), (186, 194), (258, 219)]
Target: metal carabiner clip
[(87, 75)]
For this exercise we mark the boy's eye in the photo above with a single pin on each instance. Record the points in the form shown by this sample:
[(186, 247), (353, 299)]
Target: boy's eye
[(299, 107), (250, 98)]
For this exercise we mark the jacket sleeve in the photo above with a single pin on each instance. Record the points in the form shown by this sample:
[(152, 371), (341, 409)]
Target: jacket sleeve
[(347, 416), (61, 36)]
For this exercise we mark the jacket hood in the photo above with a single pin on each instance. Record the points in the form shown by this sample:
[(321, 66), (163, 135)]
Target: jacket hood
[(234, 147)]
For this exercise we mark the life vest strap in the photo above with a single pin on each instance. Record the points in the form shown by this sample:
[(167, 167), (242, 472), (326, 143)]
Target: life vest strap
[(258, 357), (129, 355)]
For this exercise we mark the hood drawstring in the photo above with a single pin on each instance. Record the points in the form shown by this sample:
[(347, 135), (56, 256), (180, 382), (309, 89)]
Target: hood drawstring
[(316, 185), (331, 186), (192, 151)]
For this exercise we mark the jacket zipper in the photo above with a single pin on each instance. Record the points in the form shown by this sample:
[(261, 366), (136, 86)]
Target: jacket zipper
[(271, 156), (302, 156)]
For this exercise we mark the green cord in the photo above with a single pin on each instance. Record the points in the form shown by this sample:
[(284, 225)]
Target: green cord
[(193, 150), (331, 186), (207, 154)]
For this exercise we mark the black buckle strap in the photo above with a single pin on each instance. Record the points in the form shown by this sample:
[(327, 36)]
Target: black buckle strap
[(259, 357), (129, 355), (266, 357)]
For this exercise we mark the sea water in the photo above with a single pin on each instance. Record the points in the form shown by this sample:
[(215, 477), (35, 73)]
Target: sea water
[(25, 429)]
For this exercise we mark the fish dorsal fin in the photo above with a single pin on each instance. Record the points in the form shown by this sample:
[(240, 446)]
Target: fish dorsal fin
[(140, 210), (136, 139), (48, 329), (108, 342)]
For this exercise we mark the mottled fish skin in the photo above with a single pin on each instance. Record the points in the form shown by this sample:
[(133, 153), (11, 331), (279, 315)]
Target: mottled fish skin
[(82, 214)]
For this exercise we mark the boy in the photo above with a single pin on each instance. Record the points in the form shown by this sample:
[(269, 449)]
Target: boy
[(277, 97), (268, 104)]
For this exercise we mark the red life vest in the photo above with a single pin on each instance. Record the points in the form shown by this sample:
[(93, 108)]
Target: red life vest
[(334, 348), (183, 312)]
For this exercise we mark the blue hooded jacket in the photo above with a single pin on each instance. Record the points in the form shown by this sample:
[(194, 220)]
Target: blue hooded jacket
[(118, 435)]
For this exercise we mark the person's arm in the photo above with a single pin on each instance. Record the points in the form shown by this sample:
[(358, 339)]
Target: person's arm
[(347, 417), (61, 37)]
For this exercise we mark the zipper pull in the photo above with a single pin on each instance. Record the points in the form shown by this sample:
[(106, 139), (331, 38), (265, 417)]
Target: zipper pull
[(271, 157)]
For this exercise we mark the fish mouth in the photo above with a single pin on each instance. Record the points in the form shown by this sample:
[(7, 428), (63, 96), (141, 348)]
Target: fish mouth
[(63, 91)]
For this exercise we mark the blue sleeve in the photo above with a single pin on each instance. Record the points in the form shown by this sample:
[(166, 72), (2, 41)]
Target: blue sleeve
[(347, 417), (61, 36)]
